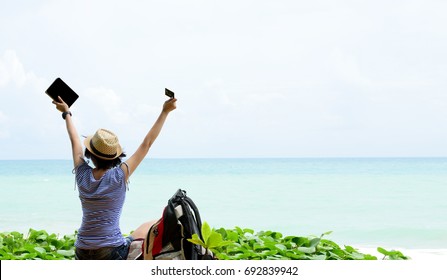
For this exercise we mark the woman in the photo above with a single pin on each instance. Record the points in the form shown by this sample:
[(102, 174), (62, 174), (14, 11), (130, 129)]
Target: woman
[(102, 189)]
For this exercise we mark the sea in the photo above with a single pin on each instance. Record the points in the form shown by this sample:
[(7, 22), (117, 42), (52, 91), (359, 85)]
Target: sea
[(392, 203)]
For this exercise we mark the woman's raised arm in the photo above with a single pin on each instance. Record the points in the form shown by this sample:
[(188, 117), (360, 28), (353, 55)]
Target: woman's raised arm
[(76, 146)]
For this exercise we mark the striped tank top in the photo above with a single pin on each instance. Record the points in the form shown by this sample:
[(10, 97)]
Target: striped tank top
[(102, 202)]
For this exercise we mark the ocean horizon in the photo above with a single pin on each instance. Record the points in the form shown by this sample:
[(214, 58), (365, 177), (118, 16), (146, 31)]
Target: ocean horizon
[(364, 201)]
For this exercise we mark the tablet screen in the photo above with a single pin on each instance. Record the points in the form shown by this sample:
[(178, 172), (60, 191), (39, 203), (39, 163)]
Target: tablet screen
[(60, 88)]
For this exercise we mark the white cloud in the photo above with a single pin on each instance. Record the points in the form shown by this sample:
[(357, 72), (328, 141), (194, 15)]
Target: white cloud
[(108, 102), (13, 71)]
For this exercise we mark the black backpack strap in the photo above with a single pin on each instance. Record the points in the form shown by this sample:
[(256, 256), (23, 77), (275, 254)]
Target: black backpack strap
[(196, 214)]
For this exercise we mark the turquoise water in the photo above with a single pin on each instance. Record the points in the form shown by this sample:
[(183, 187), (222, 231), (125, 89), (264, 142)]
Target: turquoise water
[(392, 202)]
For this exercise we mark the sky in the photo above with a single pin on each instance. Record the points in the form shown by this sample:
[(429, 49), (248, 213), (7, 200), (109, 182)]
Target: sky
[(253, 78)]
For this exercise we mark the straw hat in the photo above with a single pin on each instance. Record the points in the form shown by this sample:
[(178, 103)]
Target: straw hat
[(104, 144)]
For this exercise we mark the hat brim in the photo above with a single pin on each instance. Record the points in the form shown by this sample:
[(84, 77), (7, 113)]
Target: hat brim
[(87, 145)]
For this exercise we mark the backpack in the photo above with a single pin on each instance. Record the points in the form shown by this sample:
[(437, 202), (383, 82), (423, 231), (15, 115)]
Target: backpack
[(167, 238)]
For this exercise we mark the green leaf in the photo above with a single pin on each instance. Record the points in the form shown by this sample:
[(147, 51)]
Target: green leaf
[(42, 237), (258, 247), (239, 231), (314, 242), (325, 242), (28, 256), (334, 256), (383, 251), (206, 232), (339, 252), (269, 253), (196, 240), (249, 230), (307, 250), (235, 250), (358, 256), (318, 257), (281, 247), (222, 232), (66, 253), (370, 257), (350, 249), (214, 240), (276, 235), (324, 248), (40, 250), (296, 255), (299, 241), (233, 236)]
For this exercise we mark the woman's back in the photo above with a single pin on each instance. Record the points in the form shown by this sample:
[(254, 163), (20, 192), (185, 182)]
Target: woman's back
[(102, 201)]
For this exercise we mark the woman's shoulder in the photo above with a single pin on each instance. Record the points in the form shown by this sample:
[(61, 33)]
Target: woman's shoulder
[(83, 165), (82, 168), (116, 173)]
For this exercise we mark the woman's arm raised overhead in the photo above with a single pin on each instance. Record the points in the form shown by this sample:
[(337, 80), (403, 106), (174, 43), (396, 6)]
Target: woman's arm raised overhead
[(76, 146)]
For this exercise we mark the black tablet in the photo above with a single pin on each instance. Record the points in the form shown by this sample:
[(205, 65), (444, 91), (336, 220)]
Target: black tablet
[(60, 88)]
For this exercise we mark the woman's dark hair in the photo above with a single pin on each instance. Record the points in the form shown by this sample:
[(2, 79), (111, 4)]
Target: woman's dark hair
[(103, 163)]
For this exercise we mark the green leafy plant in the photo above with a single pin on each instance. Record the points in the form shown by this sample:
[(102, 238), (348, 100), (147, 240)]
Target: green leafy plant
[(270, 245), (226, 244), (38, 245)]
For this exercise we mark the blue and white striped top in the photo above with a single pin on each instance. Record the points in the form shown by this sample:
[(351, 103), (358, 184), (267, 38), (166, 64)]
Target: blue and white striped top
[(102, 202)]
